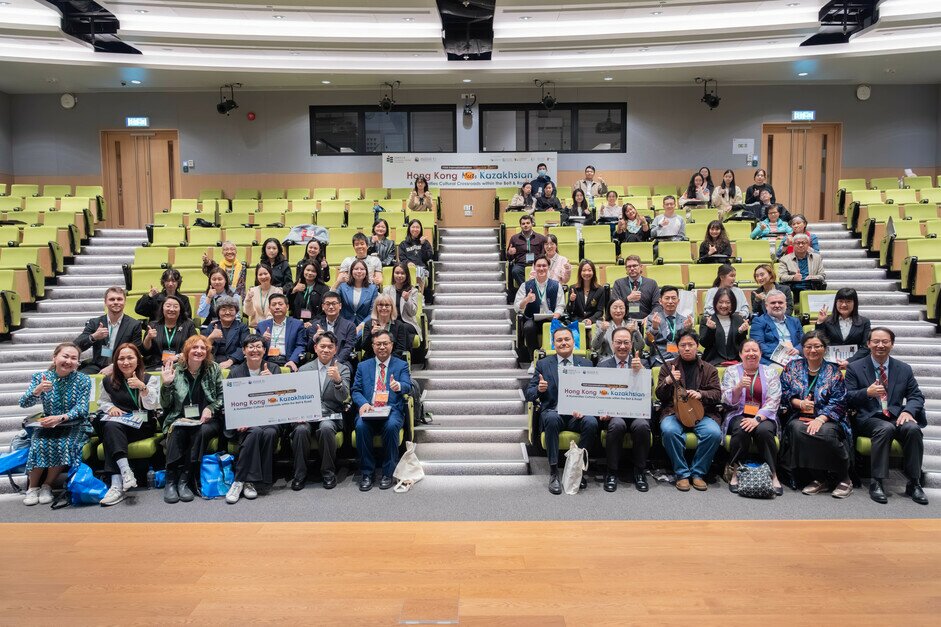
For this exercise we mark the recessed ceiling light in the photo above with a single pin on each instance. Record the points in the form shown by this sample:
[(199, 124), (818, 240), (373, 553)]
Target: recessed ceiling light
[(609, 78), (409, 19), (324, 82), (526, 18), (773, 41), (135, 82), (656, 12), (890, 70), (644, 49), (142, 11), (416, 55), (793, 4), (802, 73), (295, 53), (466, 80), (278, 17)]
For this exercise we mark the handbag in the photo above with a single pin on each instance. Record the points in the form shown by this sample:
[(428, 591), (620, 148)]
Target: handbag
[(215, 475), (754, 481), (82, 488), (409, 470), (576, 462)]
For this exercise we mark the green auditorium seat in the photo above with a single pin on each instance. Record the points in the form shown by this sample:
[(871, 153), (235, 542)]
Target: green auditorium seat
[(884, 183), (192, 257), (141, 449), (331, 218), (696, 232), (503, 193), (674, 252), (273, 207), (363, 205), (547, 218), (298, 193), (244, 205), (596, 233), (917, 182), (306, 205), (375, 193), (702, 275), (211, 194), (644, 250), (315, 443), (24, 190), (337, 252), (11, 203), (639, 202), (598, 252), (246, 194), (297, 218), (864, 447), (921, 212), (27, 259), (272, 194), (891, 251), (184, 205), (738, 231), (565, 234), (638, 190), (41, 203), (241, 236), (9, 235), (152, 257), (665, 275), (324, 193), (852, 185), (332, 205), (803, 303), (349, 193), (621, 192), (57, 191), (664, 190), (706, 215), (628, 440), (377, 439), (362, 219), (3, 189), (917, 271), (233, 219), (868, 197), (581, 348), (901, 196), (201, 236), (757, 251)]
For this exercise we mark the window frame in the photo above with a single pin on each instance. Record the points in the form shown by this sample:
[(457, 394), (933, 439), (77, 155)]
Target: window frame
[(362, 110), (573, 109)]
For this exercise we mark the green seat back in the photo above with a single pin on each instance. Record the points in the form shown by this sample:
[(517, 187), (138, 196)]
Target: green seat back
[(192, 257), (921, 213), (246, 194), (675, 252), (638, 190), (664, 190), (240, 236), (332, 205), (916, 182), (924, 249), (304, 206), (665, 275), (40, 235), (884, 183), (565, 234), (211, 194), (868, 197), (324, 193), (702, 275), (274, 206), (361, 219), (596, 233), (9, 233), (59, 191), (24, 190), (753, 251), (272, 194), (41, 203), (184, 205), (331, 219), (375, 193), (851, 185), (644, 250), (598, 252), (298, 193), (244, 205), (168, 236), (901, 196), (73, 204), (349, 193), (151, 257), (503, 193), (89, 191), (11, 203)]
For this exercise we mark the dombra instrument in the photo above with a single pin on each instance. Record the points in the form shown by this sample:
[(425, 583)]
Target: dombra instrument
[(688, 410)]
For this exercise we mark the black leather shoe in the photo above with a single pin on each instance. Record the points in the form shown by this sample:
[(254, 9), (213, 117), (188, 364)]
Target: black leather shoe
[(877, 493), (170, 494), (365, 483), (183, 487), (733, 488), (554, 485), (610, 483), (386, 482), (298, 484), (640, 482), (791, 483), (329, 482), (913, 489), (584, 483)]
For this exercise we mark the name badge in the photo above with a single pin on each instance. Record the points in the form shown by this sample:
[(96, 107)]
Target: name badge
[(105, 351), (305, 314), (530, 257), (274, 352), (167, 355), (751, 409), (191, 411), (672, 348), (633, 307), (380, 397), (139, 416)]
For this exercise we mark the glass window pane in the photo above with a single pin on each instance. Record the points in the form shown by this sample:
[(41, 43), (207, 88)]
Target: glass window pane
[(550, 130), (335, 132), (503, 131), (386, 132), (599, 129), (432, 131)]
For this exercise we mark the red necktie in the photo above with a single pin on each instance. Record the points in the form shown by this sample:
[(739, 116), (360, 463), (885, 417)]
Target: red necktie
[(381, 383), (884, 382), (622, 364)]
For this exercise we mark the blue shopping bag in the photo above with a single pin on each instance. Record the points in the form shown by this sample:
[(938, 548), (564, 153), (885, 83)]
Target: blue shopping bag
[(13, 461), (571, 326), (216, 475), (84, 487)]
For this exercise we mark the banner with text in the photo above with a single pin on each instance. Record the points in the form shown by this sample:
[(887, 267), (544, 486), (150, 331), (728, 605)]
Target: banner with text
[(271, 399), (465, 170), (605, 392)]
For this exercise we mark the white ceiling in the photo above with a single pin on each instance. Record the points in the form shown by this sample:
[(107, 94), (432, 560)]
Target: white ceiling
[(198, 45)]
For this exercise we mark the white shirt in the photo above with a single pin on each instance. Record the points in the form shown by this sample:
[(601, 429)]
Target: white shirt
[(388, 376), (544, 305), (726, 323), (373, 265), (113, 331), (277, 335), (357, 296), (845, 325)]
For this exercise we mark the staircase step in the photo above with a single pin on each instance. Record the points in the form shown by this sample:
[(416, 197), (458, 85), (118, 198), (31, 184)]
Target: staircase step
[(479, 396), (470, 300), (429, 434), (108, 240), (475, 407), (471, 314), (843, 253), (51, 321), (57, 292), (831, 235), (446, 377), (828, 245), (867, 299), (466, 363), (454, 343), (484, 382), (473, 458), (856, 274), (468, 287), (72, 305), (473, 247), (28, 337), (461, 257), (103, 260), (28, 352), (461, 231), (892, 313), (122, 233), (462, 328), (846, 264), (125, 250), (100, 280), (867, 285), (494, 275)]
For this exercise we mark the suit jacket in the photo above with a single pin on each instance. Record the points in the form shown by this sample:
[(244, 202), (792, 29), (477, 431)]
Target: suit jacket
[(903, 391), (130, 330), (333, 396), (858, 335), (346, 336), (361, 313), (152, 307), (548, 367), (566, 215), (295, 337), (154, 357), (758, 305), (718, 346), (787, 267), (708, 386), (649, 295), (764, 331), (592, 307), (230, 346), (364, 384), (240, 371), (400, 337)]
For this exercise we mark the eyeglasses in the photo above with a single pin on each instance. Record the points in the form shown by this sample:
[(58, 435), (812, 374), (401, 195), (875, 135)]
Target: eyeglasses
[(383, 306), (881, 342), (382, 343), (331, 303), (622, 342)]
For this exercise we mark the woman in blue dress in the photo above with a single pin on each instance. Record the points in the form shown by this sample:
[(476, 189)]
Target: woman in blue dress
[(56, 443)]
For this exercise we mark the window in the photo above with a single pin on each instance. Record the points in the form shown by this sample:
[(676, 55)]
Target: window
[(593, 127), (365, 130)]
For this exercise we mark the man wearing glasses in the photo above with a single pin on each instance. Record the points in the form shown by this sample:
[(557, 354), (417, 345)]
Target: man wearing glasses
[(638, 292), (340, 327)]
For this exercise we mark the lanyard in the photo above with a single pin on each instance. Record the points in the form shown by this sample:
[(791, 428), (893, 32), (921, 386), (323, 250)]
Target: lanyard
[(264, 297), (672, 325), (813, 384), (527, 243), (134, 395), (541, 293), (169, 336), (276, 337), (307, 294), (189, 388), (751, 389)]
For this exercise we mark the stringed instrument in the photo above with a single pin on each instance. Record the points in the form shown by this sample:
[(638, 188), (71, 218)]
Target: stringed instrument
[(688, 410)]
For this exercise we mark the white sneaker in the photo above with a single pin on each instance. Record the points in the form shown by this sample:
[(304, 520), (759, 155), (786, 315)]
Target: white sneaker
[(32, 496), (112, 497), (130, 481), (250, 492), (232, 496), (45, 495)]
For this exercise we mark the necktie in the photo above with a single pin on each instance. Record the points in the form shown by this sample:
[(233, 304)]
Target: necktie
[(565, 362), (381, 383), (622, 364), (884, 382)]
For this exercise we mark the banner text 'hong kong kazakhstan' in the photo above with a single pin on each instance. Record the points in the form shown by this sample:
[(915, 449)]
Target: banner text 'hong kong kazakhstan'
[(271, 399), (465, 170), (605, 392)]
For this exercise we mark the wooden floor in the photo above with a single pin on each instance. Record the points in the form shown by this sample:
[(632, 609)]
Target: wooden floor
[(499, 573)]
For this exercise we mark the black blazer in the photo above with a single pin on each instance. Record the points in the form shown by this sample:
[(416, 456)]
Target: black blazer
[(152, 307), (593, 307), (230, 346), (758, 305), (720, 250), (717, 346), (281, 275), (567, 213), (903, 391), (548, 367), (311, 302), (858, 335), (240, 371), (154, 357), (324, 271), (130, 330), (400, 336), (753, 191), (343, 329)]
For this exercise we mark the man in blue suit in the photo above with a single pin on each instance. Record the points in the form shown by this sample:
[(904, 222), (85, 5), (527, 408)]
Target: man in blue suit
[(889, 406), (775, 328), (380, 381), (340, 327), (544, 387), (285, 337)]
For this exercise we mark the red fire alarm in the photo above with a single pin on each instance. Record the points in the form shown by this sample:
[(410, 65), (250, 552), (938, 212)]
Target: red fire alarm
[(251, 116)]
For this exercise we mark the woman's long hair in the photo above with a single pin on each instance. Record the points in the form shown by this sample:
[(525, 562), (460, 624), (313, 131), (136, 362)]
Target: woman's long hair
[(117, 377)]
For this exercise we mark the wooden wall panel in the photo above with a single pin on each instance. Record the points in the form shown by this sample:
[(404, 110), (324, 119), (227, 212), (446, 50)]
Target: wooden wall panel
[(452, 207)]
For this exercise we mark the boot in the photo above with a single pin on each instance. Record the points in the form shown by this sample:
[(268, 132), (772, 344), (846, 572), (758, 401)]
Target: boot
[(170, 493), (186, 494)]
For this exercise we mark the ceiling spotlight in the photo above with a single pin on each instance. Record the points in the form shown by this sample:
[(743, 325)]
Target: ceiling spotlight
[(656, 12), (609, 78), (143, 11), (466, 80), (278, 17), (548, 100), (135, 82), (226, 105), (709, 97), (802, 73), (324, 82), (387, 99), (409, 19), (526, 18), (793, 4)]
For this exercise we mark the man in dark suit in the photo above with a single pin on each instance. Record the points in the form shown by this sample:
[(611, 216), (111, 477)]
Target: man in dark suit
[(617, 427), (775, 328), (103, 334), (343, 329), (544, 387), (889, 406), (334, 394), (285, 337), (382, 381), (226, 334), (639, 294)]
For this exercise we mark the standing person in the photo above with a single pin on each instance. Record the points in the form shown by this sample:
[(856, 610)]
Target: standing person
[(307, 293), (278, 266), (727, 194), (522, 250), (164, 340), (218, 288), (127, 390), (285, 337), (767, 281), (417, 250), (669, 225), (191, 389), (226, 334), (798, 226), (611, 211), (56, 444), (334, 394), (405, 297), (696, 194), (524, 200), (544, 388), (776, 329), (538, 296), (617, 427), (380, 245), (420, 199), (592, 186), (559, 267), (587, 300), (664, 325), (715, 244), (753, 193), (258, 297), (313, 253), (602, 336), (889, 406), (638, 292), (724, 330), (701, 380), (580, 213), (542, 179), (234, 269), (104, 333), (549, 201), (382, 381), (631, 227), (845, 326), (725, 277), (150, 303)]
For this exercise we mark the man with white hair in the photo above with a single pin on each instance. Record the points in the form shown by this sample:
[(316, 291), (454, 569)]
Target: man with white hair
[(775, 329), (803, 268)]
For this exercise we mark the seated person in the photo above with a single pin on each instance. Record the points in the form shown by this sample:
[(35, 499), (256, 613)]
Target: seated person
[(405, 297), (817, 437), (845, 326), (381, 381), (723, 331), (664, 325), (701, 380), (257, 299), (602, 336), (631, 227), (104, 333), (772, 226), (639, 293), (716, 242), (559, 267), (334, 393), (380, 245), (150, 303), (544, 388), (273, 258), (727, 194), (384, 318), (226, 334), (524, 200), (580, 212), (522, 250), (803, 268), (217, 289), (625, 357), (798, 226), (285, 337), (255, 461), (540, 295), (889, 406), (766, 278), (549, 201), (417, 251), (725, 277), (587, 300), (373, 264), (752, 393), (761, 209), (420, 198), (697, 194), (343, 329), (753, 193), (313, 253), (307, 293), (357, 295), (610, 211), (669, 225), (234, 269), (776, 329), (164, 339)]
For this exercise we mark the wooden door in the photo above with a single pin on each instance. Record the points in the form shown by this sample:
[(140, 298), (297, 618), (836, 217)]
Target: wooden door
[(803, 165), (142, 174)]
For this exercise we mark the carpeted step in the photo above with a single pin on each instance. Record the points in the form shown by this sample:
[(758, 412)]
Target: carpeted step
[(883, 299), (474, 396), (92, 306), (471, 314), (473, 248), (869, 285), (103, 240), (101, 280), (21, 372), (124, 250), (453, 377), (470, 300), (28, 352), (122, 233), (458, 360), (892, 313), (475, 407), (435, 434), (473, 458), (47, 321), (843, 253), (847, 264), (828, 245), (829, 226), (468, 287), (11, 414), (446, 267), (103, 260), (63, 292), (452, 343), (482, 327), (495, 276), (89, 270), (831, 235), (447, 257), (462, 231), (430, 382), (929, 369), (447, 241), (26, 337), (856, 274)]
